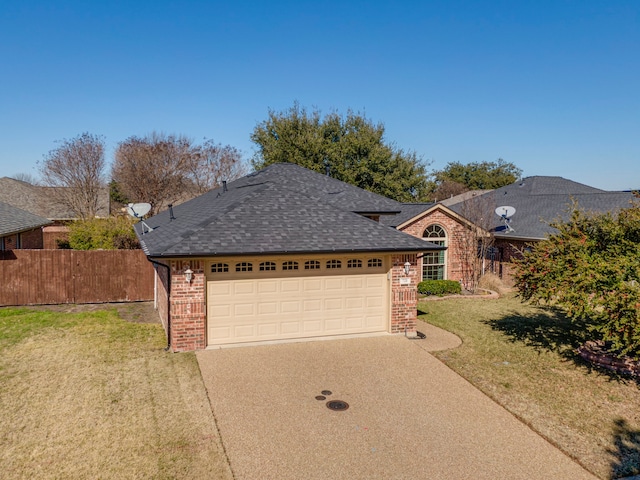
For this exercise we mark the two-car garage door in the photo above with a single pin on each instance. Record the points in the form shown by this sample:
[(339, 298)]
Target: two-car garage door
[(258, 299)]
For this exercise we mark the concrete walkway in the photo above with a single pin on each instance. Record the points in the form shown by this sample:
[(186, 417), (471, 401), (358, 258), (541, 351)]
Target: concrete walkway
[(409, 416)]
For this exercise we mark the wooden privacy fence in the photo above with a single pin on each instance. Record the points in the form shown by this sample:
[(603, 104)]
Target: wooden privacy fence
[(45, 277)]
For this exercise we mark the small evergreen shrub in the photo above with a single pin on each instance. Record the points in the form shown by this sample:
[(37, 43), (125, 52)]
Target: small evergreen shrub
[(439, 287), (103, 234)]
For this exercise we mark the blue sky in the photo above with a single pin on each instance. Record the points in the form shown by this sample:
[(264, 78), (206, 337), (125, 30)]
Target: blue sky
[(552, 86)]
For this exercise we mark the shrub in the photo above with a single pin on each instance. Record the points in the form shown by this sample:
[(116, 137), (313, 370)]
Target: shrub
[(590, 269), (103, 234), (439, 287)]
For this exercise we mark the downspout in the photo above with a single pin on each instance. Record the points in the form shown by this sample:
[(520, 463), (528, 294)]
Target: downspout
[(155, 263)]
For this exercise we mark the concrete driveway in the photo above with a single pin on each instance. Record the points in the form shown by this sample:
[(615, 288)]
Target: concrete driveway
[(409, 416)]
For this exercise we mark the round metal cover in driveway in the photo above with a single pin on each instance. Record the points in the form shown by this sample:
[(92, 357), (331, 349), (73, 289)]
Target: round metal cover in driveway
[(337, 405)]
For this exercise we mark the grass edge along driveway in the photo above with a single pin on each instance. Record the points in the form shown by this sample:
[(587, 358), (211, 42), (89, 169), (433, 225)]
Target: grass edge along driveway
[(523, 357), (89, 395)]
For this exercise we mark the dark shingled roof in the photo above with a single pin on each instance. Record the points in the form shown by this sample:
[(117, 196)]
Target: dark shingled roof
[(15, 220), (540, 200), (283, 208), (408, 211)]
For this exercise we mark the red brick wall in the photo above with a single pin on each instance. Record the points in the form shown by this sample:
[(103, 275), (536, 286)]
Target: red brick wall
[(404, 297), (455, 232), (31, 239), (188, 306), (10, 242), (510, 250), (52, 233)]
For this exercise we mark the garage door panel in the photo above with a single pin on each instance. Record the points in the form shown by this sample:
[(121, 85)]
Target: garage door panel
[(268, 329), (244, 309), (312, 327), (288, 328), (267, 286), (244, 287), (312, 285), (333, 283), (256, 309), (269, 308), (290, 307)]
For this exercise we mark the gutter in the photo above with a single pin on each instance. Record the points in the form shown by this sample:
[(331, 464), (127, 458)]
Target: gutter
[(155, 263)]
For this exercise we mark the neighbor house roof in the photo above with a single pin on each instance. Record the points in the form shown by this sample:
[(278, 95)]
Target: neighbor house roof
[(42, 200), (15, 220), (283, 208), (540, 200)]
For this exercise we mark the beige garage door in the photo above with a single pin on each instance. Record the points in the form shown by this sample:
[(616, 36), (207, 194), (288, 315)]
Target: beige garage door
[(276, 299)]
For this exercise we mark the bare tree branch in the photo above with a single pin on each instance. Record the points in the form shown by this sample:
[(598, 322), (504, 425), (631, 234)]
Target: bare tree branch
[(76, 168)]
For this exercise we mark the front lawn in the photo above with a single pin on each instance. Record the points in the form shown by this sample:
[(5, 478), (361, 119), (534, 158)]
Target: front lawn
[(523, 357), (89, 395)]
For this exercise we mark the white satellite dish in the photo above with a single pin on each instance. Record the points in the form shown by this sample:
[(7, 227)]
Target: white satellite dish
[(139, 210), (505, 213)]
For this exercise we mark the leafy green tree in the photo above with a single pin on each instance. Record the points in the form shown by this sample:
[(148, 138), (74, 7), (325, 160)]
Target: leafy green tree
[(591, 269), (113, 233), (351, 147), (478, 175)]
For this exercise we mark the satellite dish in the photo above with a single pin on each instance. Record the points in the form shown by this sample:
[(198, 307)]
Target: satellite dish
[(138, 210), (505, 213)]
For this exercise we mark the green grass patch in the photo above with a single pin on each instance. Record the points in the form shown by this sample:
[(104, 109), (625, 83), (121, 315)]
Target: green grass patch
[(524, 358)]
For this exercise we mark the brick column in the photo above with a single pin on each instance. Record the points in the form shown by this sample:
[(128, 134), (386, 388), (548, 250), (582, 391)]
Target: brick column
[(404, 295), (188, 302)]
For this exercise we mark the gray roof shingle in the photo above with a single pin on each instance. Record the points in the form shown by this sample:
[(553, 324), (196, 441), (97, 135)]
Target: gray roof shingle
[(540, 200), (16, 220), (42, 200), (283, 208)]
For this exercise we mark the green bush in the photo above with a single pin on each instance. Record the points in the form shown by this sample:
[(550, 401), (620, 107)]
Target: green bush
[(103, 234), (439, 287)]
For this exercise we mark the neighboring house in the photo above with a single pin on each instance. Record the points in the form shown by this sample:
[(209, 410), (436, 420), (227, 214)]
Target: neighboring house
[(538, 201), (281, 254), (19, 228), (41, 201)]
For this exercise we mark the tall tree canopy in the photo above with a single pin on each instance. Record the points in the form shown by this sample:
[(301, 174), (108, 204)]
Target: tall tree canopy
[(77, 165), (351, 147), (591, 269), (474, 176), (160, 169)]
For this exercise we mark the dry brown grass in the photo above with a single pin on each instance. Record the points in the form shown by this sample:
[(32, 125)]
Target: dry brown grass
[(523, 357), (88, 395), (490, 281)]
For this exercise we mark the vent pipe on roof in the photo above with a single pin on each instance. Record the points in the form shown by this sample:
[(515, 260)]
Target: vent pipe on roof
[(224, 186), (171, 217)]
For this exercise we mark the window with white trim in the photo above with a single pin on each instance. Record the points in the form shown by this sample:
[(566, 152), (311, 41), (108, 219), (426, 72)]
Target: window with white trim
[(434, 263)]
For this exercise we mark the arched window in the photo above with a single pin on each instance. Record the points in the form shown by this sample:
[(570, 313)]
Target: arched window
[(268, 266), (434, 263)]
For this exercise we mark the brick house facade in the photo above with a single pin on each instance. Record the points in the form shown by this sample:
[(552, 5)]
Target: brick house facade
[(183, 305)]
